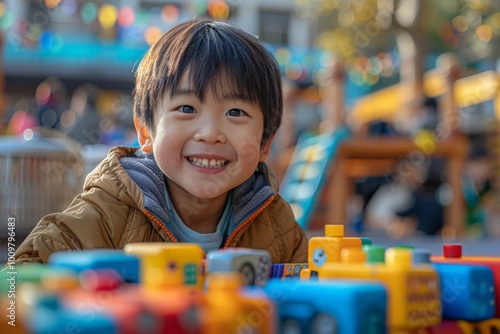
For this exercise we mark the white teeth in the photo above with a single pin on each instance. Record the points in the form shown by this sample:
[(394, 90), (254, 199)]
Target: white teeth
[(208, 163)]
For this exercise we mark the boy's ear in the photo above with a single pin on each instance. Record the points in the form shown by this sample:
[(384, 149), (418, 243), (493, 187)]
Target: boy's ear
[(266, 149), (143, 136)]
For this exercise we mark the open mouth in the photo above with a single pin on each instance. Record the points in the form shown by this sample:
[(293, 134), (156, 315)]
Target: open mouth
[(208, 163)]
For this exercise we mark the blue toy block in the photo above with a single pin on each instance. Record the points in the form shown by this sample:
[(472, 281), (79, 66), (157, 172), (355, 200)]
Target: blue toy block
[(335, 306), (467, 291), (126, 265), (48, 317)]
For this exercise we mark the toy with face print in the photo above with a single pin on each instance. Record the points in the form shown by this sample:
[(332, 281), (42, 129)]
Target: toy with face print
[(254, 265), (327, 249)]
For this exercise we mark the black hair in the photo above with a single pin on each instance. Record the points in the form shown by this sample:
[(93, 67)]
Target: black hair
[(216, 55)]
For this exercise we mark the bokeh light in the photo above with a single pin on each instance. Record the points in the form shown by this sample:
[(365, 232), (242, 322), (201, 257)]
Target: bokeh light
[(346, 18), (7, 20), (28, 134), (374, 66), (141, 17), (46, 39), (370, 79), (495, 20), (152, 34), (107, 16), (484, 33), (218, 9), (200, 7), (51, 4), (68, 7), (49, 118), (460, 24), (68, 118), (2, 9), (43, 92), (445, 31), (51, 41), (479, 5), (283, 56), (293, 71), (426, 141), (170, 14), (20, 121), (387, 65), (327, 40), (88, 12), (126, 16)]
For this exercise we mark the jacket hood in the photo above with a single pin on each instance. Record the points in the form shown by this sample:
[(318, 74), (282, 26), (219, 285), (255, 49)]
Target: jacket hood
[(137, 180), (110, 176)]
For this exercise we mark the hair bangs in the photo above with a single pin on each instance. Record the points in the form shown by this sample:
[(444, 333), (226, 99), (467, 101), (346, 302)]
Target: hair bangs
[(220, 64)]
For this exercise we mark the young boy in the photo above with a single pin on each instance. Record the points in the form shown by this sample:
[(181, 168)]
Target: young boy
[(207, 105)]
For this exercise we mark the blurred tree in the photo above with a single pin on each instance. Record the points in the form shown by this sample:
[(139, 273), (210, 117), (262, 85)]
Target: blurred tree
[(363, 31), (473, 28), (356, 28)]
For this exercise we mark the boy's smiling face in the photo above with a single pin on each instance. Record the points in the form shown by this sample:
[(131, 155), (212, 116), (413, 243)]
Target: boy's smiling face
[(207, 147)]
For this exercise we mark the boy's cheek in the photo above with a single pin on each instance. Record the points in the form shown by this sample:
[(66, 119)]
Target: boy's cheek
[(250, 150)]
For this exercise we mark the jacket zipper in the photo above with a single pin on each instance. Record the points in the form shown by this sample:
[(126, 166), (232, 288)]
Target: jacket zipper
[(159, 223), (246, 221)]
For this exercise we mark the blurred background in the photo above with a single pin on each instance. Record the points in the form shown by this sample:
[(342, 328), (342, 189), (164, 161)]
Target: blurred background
[(414, 83)]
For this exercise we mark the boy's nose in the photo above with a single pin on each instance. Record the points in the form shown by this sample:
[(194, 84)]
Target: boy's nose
[(210, 132)]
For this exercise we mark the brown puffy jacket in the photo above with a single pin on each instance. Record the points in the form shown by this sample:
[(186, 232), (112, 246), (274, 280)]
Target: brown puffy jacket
[(111, 213)]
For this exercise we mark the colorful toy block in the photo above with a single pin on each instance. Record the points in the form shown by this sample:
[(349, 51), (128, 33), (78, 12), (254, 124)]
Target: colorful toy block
[(413, 289), (232, 307), (467, 291), (169, 264), (287, 271), (338, 306), (253, 264), (452, 254), (50, 316), (125, 265), (324, 250)]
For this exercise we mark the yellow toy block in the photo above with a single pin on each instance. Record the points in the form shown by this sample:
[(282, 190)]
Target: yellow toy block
[(169, 264), (230, 310), (323, 250), (413, 290)]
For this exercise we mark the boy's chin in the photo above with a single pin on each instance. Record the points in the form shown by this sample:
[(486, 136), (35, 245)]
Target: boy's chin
[(206, 195)]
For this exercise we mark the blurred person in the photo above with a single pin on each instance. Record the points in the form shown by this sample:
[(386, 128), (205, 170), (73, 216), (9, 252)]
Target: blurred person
[(408, 201), (84, 119), (207, 105), (118, 128), (477, 186), (425, 212)]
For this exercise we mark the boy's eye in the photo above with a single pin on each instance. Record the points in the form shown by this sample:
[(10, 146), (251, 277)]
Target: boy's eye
[(236, 113), (187, 109)]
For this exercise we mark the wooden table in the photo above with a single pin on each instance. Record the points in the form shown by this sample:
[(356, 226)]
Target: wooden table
[(363, 157)]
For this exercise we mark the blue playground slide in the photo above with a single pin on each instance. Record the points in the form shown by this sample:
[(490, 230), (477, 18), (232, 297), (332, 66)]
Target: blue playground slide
[(305, 177)]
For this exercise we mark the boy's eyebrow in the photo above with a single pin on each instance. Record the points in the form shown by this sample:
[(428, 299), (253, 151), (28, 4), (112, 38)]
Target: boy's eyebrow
[(183, 91)]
